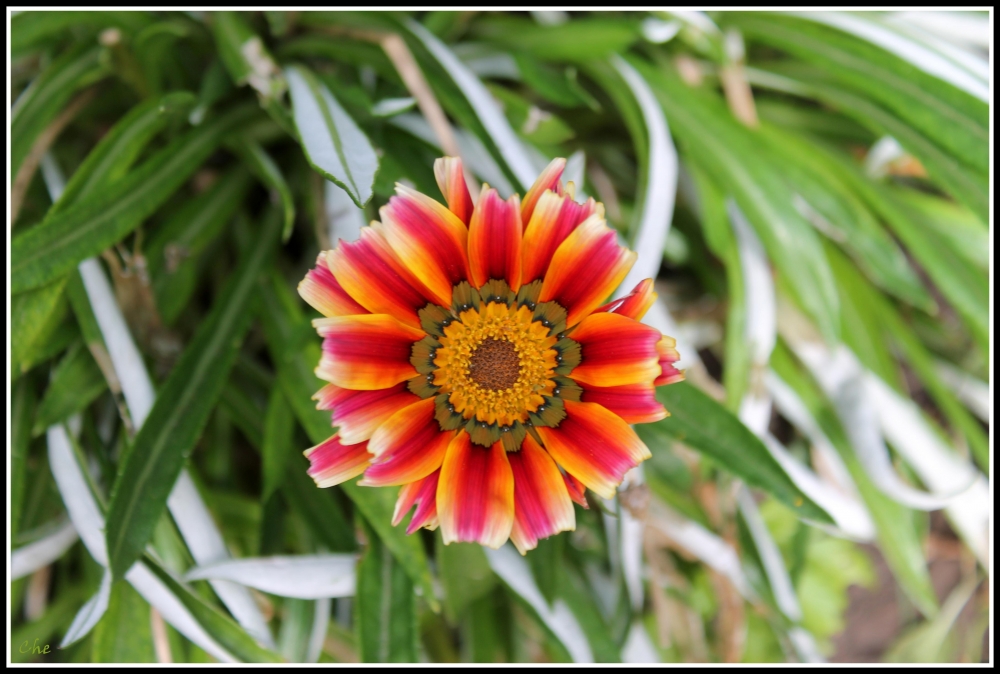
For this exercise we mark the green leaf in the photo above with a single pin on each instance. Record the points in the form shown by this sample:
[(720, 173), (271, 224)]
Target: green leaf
[(45, 98), (722, 242), (734, 156), (182, 408), (245, 56), (845, 217), (294, 349), (964, 286), (174, 249), (124, 633), (31, 30), (965, 184), (33, 316), (54, 247), (268, 173), (580, 39), (21, 412), (219, 626), (953, 119), (75, 383), (582, 602), (111, 158), (465, 576), (704, 425), (386, 607), (319, 509), (333, 143), (279, 425)]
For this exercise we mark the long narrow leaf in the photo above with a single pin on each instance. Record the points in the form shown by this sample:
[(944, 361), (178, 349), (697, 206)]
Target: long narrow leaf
[(184, 403), (45, 252)]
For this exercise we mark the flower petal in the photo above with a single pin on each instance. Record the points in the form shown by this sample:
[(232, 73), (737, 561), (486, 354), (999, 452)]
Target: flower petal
[(451, 179), (365, 352), (410, 445), (615, 350), (429, 239), (331, 462), (635, 403), (554, 218), (595, 445), (635, 304), (548, 179), (542, 505), (577, 491), (667, 349), (325, 294), (475, 495), (586, 268), (374, 276), (495, 240), (423, 492), (357, 414)]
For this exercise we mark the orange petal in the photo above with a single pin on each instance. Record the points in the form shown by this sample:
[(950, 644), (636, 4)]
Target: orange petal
[(357, 414), (542, 505), (554, 218), (374, 276), (586, 268), (423, 492), (325, 294), (635, 403), (595, 445), (635, 304), (331, 462), (548, 179), (615, 350), (429, 239), (495, 240), (475, 496), (451, 179), (408, 446), (667, 350), (365, 352)]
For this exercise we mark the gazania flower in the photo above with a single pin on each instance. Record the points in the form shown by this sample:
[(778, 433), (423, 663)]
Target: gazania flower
[(471, 361)]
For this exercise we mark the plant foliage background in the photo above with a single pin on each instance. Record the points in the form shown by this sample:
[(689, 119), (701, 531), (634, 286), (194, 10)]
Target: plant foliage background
[(811, 190)]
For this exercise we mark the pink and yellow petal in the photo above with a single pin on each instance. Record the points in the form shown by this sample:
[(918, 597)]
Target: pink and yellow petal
[(409, 446), (429, 239), (542, 505), (376, 279), (331, 462), (475, 494), (357, 414), (586, 268), (547, 180), (448, 172), (615, 350), (667, 350), (634, 403), (366, 352), (635, 304), (555, 216), (324, 293), (423, 493), (495, 240), (594, 445)]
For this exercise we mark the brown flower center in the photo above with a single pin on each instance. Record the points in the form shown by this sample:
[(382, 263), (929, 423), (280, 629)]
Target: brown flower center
[(495, 365)]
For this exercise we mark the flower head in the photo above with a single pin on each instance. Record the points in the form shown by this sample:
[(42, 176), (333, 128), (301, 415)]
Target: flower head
[(471, 362)]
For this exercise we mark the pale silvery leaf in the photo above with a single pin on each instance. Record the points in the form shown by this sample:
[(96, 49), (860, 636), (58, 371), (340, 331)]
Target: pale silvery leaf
[(300, 576), (515, 572)]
